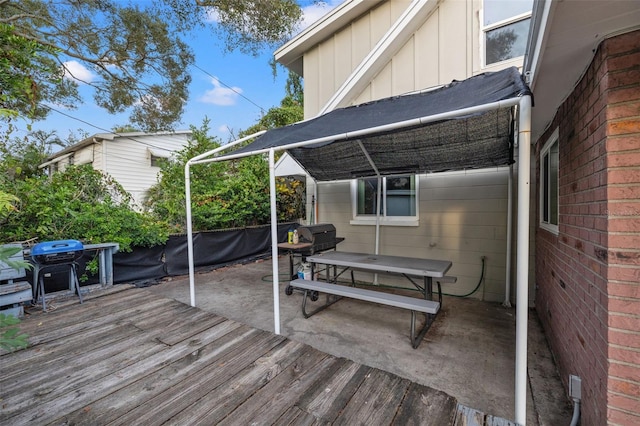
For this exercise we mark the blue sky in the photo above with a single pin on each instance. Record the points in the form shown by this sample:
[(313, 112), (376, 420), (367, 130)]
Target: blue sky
[(231, 89)]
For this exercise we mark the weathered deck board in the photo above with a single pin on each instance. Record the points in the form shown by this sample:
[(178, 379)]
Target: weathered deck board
[(134, 358), (152, 389)]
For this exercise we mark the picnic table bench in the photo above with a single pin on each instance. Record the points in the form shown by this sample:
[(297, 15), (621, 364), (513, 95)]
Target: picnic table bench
[(428, 269), (335, 292)]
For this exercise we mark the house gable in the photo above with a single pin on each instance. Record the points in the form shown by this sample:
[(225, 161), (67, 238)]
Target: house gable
[(127, 157)]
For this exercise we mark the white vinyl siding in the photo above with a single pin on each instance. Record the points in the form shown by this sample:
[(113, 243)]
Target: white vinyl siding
[(129, 160), (463, 216)]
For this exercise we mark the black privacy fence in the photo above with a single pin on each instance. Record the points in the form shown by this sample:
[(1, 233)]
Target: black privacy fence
[(212, 249)]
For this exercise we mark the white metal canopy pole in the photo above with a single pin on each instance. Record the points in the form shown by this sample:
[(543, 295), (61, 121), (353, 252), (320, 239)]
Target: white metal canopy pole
[(187, 198), (522, 260), (274, 242), (187, 192), (507, 285)]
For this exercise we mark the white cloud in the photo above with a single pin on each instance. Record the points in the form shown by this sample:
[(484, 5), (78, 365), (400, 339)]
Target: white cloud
[(74, 70), (220, 95), (315, 11), (211, 15)]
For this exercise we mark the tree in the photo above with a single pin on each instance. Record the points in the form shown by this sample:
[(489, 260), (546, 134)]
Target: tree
[(78, 203), (224, 194), (233, 193), (291, 109), (135, 54), (500, 44), (20, 157)]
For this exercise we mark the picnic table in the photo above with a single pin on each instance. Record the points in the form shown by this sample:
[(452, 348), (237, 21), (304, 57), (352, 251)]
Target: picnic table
[(409, 267)]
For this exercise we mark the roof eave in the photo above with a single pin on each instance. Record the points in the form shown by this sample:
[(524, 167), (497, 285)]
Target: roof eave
[(291, 53)]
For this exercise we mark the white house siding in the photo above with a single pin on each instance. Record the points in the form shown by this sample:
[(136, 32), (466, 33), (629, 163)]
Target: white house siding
[(128, 160), (441, 50), (463, 216)]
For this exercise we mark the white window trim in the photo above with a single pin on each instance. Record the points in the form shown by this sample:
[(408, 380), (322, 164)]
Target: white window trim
[(384, 220), (484, 29), (545, 149)]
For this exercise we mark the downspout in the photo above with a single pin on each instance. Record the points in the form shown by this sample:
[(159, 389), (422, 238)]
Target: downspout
[(274, 241), (507, 286), (378, 211), (314, 204), (522, 259)]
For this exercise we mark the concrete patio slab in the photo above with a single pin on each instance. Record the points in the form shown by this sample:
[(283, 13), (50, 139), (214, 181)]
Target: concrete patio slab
[(469, 352)]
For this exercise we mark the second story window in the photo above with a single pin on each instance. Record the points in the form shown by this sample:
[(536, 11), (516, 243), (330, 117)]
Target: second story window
[(505, 27)]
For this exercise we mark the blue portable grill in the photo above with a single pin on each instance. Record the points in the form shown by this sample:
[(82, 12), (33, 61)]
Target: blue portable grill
[(54, 253)]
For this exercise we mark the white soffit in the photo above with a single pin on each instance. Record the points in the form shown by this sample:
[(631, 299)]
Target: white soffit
[(566, 45)]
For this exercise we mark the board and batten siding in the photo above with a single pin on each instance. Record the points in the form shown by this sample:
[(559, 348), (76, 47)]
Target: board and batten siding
[(462, 217), (440, 51), (128, 160)]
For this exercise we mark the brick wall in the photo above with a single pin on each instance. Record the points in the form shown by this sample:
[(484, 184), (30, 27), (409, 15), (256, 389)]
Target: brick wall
[(588, 276)]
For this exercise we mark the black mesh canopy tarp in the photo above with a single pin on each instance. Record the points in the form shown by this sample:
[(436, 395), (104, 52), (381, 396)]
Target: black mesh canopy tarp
[(352, 138)]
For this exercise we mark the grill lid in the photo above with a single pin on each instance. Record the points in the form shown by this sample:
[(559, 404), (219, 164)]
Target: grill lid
[(321, 232), (60, 251)]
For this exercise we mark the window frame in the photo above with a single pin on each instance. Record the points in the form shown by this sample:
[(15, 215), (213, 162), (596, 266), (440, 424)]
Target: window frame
[(370, 219), (484, 29), (156, 160), (546, 179)]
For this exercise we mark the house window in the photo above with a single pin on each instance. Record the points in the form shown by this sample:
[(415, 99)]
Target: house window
[(156, 161), (505, 28), (398, 200), (549, 165)]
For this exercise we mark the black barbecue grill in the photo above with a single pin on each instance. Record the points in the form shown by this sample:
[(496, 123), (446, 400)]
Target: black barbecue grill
[(322, 237), (50, 254), (312, 239)]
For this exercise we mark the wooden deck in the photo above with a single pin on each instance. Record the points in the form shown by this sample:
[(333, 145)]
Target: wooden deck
[(130, 357)]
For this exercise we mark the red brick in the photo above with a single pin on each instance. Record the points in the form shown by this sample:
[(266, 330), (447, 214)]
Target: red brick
[(623, 127), (618, 111), (618, 417), (629, 77), (624, 322), (623, 176), (628, 339), (624, 43), (622, 209), (624, 61), (623, 371), (623, 192), (623, 94), (622, 402), (624, 306), (617, 241), (624, 290), (624, 159), (624, 355)]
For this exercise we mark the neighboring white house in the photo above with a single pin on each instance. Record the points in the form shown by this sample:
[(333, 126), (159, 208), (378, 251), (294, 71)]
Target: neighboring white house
[(130, 158), (368, 50)]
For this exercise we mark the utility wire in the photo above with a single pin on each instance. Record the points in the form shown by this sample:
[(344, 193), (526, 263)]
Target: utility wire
[(132, 138), (262, 110)]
